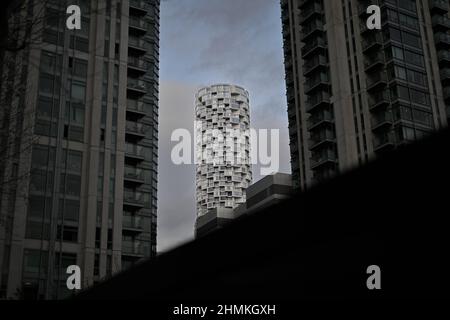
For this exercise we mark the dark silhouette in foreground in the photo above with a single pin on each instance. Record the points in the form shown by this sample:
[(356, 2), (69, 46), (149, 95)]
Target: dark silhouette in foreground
[(391, 213)]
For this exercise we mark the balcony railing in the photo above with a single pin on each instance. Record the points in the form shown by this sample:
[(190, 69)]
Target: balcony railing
[(131, 222), (133, 150), (378, 99), (383, 141), (132, 248), (138, 23), (135, 127), (138, 43), (441, 23), (138, 4), (137, 84), (310, 11), (321, 137), (133, 198), (133, 173), (373, 42), (372, 62), (322, 158), (321, 117), (442, 39), (311, 46), (381, 120), (444, 56), (440, 6), (137, 105), (138, 63), (380, 79)]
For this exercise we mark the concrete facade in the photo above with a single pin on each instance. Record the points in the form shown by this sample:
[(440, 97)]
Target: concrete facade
[(88, 178), (355, 93)]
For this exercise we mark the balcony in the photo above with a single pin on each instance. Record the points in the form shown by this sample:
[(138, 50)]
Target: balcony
[(439, 6), (311, 47), (138, 44), (382, 120), (384, 141), (371, 63), (138, 25), (321, 99), (132, 248), (133, 199), (134, 128), (378, 100), (441, 23), (132, 224), (321, 138), (137, 85), (323, 117), (372, 43), (377, 82), (133, 174), (139, 6), (134, 151), (312, 28), (316, 63), (445, 76), (442, 40), (446, 93), (311, 11), (138, 64), (327, 157), (444, 57), (321, 80), (137, 107)]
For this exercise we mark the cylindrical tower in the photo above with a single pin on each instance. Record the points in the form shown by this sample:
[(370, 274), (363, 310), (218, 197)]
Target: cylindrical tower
[(222, 147)]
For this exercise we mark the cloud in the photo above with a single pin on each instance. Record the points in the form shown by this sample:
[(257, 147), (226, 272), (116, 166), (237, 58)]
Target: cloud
[(205, 42)]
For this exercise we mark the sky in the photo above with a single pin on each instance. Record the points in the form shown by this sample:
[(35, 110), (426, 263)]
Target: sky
[(203, 42)]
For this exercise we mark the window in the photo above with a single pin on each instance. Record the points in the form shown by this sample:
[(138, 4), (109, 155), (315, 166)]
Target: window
[(80, 68), (69, 209), (33, 261), (69, 233), (72, 186), (74, 160), (41, 156), (78, 91), (74, 114), (46, 106), (46, 83)]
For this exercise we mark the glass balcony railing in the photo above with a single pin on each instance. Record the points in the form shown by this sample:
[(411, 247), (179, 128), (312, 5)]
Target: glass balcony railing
[(133, 173), (132, 248), (137, 84), (133, 197), (135, 127), (138, 23), (138, 43), (138, 63), (132, 222), (134, 150), (138, 4), (440, 6), (137, 105)]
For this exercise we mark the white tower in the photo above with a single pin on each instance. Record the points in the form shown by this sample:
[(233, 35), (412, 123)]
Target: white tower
[(223, 147)]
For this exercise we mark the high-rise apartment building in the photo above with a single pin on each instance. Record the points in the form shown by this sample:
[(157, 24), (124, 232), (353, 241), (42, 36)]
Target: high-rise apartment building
[(354, 93), (79, 187), (222, 146)]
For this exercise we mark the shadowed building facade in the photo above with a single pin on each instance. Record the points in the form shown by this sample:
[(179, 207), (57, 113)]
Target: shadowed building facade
[(85, 179), (355, 93)]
